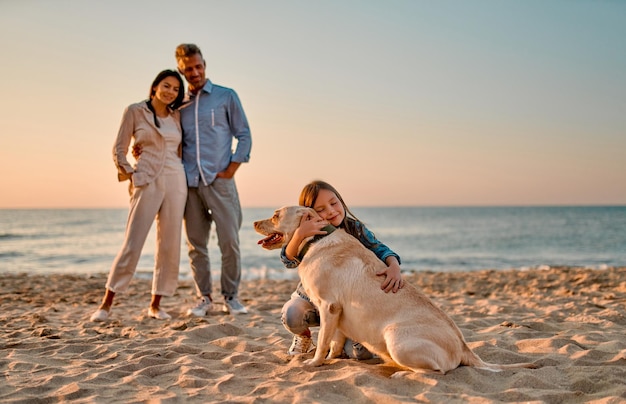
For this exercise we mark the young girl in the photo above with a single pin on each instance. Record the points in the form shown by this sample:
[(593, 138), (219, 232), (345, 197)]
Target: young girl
[(158, 190), (299, 313)]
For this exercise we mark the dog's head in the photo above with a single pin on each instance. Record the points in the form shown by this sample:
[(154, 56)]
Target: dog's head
[(280, 228)]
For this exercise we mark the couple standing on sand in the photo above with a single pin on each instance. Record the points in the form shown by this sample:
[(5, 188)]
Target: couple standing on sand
[(185, 169)]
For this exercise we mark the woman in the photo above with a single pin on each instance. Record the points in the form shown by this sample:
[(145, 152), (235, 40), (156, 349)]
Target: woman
[(158, 189), (299, 313)]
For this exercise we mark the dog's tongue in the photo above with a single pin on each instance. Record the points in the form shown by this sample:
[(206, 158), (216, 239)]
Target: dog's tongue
[(270, 240), (263, 240)]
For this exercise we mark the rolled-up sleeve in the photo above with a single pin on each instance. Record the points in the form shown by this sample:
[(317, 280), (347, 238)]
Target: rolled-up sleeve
[(381, 250), (122, 143), (240, 130), (286, 261)]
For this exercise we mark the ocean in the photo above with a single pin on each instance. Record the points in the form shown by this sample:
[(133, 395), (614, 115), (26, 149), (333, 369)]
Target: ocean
[(85, 241)]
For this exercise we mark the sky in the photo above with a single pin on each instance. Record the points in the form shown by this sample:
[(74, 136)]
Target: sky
[(395, 103)]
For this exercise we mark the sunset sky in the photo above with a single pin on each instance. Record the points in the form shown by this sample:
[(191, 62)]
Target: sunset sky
[(395, 103)]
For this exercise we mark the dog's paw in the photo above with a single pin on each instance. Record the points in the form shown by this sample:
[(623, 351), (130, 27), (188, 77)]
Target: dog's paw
[(312, 362), (402, 374), (335, 353)]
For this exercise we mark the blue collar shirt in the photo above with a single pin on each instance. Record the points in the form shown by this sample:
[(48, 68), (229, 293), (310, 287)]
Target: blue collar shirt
[(210, 120)]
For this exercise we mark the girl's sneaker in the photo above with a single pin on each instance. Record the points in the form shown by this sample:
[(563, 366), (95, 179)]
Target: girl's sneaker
[(301, 344)]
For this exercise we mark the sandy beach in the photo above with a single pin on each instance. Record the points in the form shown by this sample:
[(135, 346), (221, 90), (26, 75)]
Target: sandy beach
[(569, 321)]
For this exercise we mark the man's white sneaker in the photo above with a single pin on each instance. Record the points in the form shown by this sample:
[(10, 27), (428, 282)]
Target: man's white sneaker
[(301, 344), (202, 308), (234, 306)]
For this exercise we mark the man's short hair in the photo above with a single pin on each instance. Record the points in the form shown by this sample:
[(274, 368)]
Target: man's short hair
[(186, 50)]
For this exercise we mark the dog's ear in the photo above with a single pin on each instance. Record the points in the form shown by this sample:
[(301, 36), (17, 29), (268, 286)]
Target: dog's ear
[(303, 211), (313, 213)]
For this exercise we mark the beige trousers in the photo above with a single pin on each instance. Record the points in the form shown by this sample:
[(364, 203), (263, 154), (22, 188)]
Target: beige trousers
[(163, 199)]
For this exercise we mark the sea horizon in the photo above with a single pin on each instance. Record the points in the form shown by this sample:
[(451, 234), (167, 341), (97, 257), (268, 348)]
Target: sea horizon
[(427, 238)]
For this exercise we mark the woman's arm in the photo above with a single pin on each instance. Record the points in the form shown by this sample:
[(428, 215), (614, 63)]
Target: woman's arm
[(122, 143)]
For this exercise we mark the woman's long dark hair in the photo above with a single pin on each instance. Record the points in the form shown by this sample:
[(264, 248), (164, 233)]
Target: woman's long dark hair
[(179, 98), (350, 222)]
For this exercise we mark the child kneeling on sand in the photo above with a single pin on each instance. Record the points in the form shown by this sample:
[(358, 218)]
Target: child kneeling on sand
[(298, 314)]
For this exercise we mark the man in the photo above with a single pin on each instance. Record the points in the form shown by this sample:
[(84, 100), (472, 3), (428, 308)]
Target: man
[(210, 120)]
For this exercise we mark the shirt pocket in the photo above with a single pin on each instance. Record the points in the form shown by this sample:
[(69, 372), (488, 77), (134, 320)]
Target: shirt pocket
[(218, 116)]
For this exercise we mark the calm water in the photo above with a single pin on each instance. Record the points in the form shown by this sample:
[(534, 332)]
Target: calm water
[(85, 241)]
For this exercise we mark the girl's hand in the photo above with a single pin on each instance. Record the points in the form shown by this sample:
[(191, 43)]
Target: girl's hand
[(393, 277), (311, 226)]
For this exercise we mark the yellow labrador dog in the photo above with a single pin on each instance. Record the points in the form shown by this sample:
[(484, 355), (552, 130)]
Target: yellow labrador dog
[(339, 276)]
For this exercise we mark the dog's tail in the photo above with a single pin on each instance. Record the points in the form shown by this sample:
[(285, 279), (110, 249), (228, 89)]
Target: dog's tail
[(471, 359)]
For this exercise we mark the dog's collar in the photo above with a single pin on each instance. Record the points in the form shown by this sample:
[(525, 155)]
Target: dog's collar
[(329, 228)]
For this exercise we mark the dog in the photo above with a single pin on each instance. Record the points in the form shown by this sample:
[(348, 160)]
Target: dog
[(339, 275)]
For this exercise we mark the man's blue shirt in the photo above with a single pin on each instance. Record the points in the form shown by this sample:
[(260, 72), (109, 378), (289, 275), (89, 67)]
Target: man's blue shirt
[(211, 120)]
